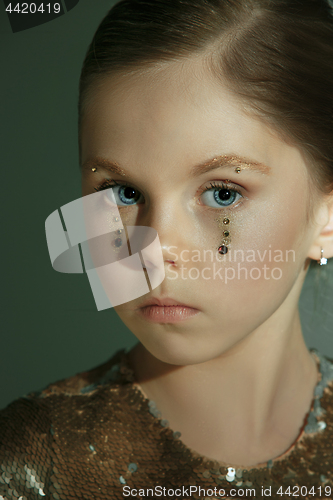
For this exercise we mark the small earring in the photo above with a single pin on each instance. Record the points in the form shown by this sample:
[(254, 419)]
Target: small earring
[(94, 169), (323, 260)]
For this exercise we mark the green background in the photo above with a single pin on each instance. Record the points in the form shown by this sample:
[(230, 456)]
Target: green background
[(51, 328)]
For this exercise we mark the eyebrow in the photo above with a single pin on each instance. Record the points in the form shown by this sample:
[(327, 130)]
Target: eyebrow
[(112, 166), (230, 161), (223, 161)]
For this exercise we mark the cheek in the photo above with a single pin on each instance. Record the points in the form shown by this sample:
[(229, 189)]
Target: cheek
[(237, 293), (264, 259), (266, 253), (278, 225)]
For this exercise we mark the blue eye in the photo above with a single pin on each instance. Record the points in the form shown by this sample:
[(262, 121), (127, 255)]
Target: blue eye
[(220, 196), (123, 195), (126, 194)]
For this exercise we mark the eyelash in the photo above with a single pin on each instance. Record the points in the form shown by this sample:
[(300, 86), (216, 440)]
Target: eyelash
[(108, 183), (221, 185)]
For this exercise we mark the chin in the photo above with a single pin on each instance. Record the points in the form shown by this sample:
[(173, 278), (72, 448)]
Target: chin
[(183, 350), (197, 340)]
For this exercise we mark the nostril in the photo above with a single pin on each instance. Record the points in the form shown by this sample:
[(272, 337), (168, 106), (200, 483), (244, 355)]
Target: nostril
[(148, 264)]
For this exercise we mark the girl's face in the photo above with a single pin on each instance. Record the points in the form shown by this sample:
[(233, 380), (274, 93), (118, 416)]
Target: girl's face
[(194, 157)]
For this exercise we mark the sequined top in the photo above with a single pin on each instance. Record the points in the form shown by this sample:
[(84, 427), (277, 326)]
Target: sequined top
[(95, 436)]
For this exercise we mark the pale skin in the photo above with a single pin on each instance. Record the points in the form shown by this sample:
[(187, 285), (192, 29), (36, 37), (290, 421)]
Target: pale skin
[(236, 379)]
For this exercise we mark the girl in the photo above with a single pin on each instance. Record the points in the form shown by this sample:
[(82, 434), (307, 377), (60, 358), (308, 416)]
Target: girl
[(210, 122)]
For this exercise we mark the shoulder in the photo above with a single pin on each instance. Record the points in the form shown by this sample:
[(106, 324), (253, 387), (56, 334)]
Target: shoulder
[(87, 381), (309, 462), (320, 421), (21, 418), (25, 441), (63, 420)]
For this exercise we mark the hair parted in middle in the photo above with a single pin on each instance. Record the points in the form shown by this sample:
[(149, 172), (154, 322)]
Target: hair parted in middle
[(275, 54)]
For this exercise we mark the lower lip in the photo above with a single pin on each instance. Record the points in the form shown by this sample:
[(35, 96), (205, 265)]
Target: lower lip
[(167, 314)]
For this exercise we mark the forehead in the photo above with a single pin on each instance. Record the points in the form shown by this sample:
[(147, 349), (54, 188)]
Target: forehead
[(175, 113)]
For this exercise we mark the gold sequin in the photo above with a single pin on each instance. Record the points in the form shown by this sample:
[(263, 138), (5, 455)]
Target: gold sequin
[(93, 434)]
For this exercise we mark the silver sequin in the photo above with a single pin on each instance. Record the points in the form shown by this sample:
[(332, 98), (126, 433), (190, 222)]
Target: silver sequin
[(132, 467)]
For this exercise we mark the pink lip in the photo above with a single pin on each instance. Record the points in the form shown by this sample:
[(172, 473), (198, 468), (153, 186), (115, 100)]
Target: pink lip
[(162, 302), (166, 310)]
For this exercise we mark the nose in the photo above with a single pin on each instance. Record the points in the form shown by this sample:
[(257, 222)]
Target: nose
[(155, 254), (172, 226), (169, 256)]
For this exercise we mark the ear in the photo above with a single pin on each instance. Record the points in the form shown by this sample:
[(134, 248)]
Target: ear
[(324, 237)]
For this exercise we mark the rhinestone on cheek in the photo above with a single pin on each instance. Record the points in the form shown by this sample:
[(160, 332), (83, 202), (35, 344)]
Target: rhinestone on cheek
[(118, 242), (132, 467), (223, 249)]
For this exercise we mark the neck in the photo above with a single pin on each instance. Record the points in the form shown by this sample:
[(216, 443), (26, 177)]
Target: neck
[(244, 407)]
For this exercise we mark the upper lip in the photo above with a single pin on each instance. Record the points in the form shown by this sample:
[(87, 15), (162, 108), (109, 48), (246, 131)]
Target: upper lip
[(162, 302)]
